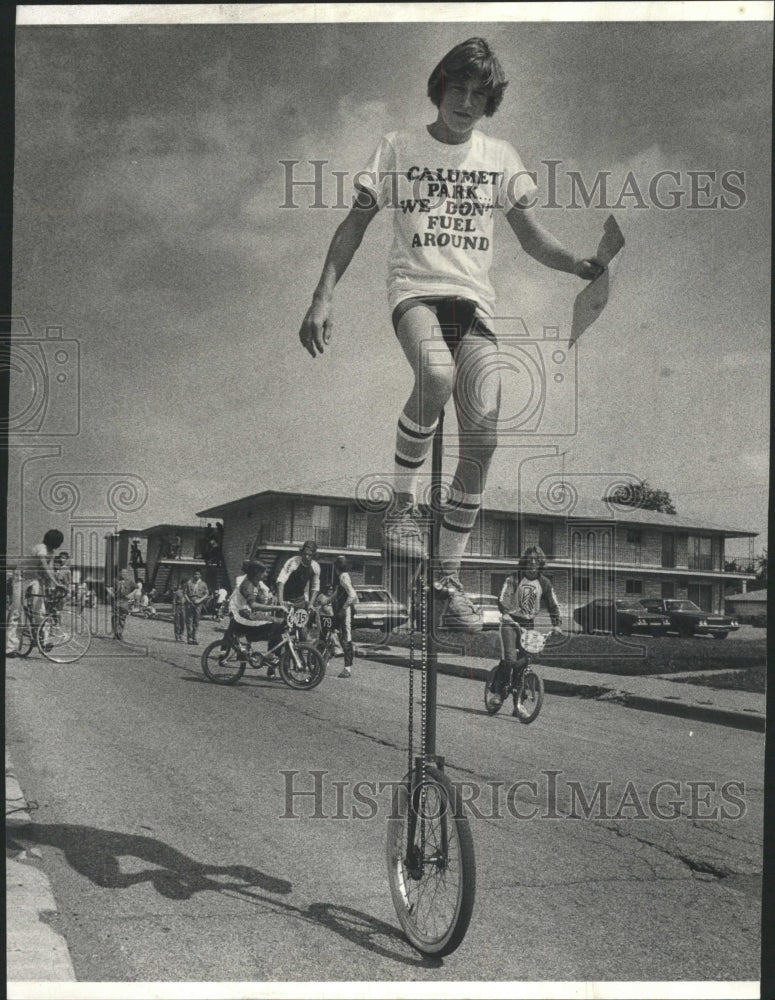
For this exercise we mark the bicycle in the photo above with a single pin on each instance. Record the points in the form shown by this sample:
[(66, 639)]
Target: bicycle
[(327, 642), (301, 665), (523, 680), (62, 635)]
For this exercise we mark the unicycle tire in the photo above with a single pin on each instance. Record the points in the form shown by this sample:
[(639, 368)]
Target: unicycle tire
[(434, 899)]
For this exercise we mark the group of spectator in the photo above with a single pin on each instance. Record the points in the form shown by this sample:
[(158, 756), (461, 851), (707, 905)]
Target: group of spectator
[(47, 576), (297, 585)]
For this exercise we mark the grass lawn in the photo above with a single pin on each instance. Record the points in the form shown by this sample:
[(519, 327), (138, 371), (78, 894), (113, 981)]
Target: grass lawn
[(606, 654)]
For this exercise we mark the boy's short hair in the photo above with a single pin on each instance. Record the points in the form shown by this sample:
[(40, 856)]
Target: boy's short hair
[(472, 58), (534, 550)]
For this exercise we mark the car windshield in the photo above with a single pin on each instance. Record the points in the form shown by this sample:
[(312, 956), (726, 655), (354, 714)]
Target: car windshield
[(681, 606), (373, 596), (629, 606)]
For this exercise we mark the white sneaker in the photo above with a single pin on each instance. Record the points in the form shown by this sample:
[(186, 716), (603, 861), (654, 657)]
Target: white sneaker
[(401, 532), (346, 672), (460, 614)]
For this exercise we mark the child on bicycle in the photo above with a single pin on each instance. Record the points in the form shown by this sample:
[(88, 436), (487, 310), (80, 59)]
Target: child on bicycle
[(444, 182), (520, 599), (246, 621)]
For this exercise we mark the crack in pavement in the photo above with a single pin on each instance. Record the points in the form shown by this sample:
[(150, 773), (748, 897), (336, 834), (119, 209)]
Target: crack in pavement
[(694, 865)]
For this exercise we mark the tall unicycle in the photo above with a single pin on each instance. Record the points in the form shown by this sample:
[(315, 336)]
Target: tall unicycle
[(430, 851)]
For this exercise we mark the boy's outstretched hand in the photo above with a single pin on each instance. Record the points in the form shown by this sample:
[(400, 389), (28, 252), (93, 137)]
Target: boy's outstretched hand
[(316, 328), (588, 269)]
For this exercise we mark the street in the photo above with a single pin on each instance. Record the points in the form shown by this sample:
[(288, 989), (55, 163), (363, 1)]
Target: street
[(182, 844)]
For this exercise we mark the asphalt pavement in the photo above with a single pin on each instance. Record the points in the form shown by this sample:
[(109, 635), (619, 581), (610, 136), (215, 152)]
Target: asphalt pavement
[(37, 953)]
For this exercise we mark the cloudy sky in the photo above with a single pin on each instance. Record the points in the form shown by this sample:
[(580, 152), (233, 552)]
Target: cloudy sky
[(149, 225)]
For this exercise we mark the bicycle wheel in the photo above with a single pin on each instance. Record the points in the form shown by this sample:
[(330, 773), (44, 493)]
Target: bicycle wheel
[(492, 701), (308, 672), (326, 648), (433, 878), (64, 637), (530, 697), (220, 667)]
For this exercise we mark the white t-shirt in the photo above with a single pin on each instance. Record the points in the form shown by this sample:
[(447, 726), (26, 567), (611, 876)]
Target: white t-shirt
[(443, 198), (524, 599), (238, 603)]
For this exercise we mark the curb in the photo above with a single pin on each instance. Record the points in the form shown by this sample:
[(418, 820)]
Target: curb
[(34, 951), (702, 713)]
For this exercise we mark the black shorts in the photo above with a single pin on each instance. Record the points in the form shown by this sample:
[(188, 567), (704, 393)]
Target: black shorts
[(457, 318)]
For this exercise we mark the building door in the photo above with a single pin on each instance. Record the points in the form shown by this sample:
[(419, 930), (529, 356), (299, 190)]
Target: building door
[(702, 595), (668, 590), (668, 550)]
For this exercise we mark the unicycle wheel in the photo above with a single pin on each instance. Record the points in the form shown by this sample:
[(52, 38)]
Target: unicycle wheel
[(431, 865)]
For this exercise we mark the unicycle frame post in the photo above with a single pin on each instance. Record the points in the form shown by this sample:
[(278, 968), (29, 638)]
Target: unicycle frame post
[(430, 622)]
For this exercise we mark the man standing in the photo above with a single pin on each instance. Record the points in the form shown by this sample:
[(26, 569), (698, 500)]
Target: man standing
[(179, 611), (298, 582), (195, 593), (63, 575), (119, 595)]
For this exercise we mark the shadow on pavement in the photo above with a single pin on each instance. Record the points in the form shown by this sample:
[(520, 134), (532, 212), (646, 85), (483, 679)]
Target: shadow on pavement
[(96, 855)]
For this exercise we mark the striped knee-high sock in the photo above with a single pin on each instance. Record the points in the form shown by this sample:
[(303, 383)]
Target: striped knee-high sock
[(413, 442), (456, 527)]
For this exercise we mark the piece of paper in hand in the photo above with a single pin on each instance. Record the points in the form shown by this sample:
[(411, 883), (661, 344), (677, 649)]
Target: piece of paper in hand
[(591, 301)]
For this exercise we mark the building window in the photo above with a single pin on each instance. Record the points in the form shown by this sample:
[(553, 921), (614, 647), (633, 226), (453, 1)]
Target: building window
[(633, 586), (580, 583), (506, 538), (372, 575), (700, 552), (668, 550), (546, 538), (321, 524), (668, 590), (633, 536), (374, 531), (329, 525)]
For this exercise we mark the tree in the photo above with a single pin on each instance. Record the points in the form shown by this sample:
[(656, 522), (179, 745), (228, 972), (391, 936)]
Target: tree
[(642, 496)]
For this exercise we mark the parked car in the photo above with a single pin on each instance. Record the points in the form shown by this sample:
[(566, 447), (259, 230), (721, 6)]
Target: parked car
[(622, 616), (687, 619), (377, 608), (488, 606)]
